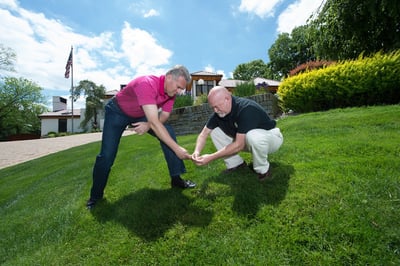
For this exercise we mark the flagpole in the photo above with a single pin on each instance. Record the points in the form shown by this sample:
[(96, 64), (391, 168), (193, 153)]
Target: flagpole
[(72, 92)]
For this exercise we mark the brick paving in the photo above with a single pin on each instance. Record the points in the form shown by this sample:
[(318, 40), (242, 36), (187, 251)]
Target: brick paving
[(15, 152)]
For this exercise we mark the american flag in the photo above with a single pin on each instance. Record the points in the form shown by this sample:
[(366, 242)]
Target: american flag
[(68, 66)]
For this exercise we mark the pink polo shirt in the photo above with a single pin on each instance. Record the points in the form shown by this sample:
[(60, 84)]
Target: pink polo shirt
[(142, 91)]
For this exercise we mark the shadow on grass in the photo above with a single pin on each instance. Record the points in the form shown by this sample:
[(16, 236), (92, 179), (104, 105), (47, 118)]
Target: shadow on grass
[(149, 213), (249, 193)]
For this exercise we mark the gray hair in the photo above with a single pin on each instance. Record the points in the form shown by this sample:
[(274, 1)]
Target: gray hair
[(180, 71)]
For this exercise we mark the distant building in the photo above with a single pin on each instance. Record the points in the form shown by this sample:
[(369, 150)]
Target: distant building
[(261, 83), (60, 119), (203, 82)]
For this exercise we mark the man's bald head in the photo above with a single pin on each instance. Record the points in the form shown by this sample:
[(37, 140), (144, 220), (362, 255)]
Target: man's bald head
[(220, 100)]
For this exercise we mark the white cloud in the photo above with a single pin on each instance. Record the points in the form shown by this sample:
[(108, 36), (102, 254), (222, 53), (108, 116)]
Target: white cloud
[(142, 49), (9, 3), (151, 13), (297, 14), (210, 68), (42, 46), (261, 8)]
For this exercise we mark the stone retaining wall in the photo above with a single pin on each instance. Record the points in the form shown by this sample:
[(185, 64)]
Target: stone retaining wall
[(191, 119)]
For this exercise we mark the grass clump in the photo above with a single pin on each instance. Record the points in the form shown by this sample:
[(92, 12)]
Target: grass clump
[(334, 200)]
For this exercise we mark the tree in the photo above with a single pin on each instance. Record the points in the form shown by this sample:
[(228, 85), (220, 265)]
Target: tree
[(346, 28), (251, 70), (21, 102), (94, 100), (291, 50), (7, 58)]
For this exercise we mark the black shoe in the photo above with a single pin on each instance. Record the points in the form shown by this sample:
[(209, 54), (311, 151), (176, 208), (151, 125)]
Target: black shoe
[(90, 204), (183, 183), (230, 170), (265, 177)]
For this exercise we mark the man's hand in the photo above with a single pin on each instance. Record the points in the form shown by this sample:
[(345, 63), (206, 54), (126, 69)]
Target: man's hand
[(202, 160), (195, 155), (141, 127), (182, 153)]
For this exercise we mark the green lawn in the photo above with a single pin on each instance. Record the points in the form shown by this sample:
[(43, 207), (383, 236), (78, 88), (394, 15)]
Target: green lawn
[(334, 200)]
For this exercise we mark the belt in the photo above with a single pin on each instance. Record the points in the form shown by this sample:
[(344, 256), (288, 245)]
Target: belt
[(114, 100)]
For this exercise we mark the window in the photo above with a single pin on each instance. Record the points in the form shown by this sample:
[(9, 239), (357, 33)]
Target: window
[(204, 87)]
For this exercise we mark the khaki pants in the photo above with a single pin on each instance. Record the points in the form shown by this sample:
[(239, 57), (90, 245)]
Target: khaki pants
[(259, 142)]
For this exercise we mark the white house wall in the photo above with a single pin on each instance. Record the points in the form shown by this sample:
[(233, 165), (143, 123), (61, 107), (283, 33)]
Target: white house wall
[(49, 125)]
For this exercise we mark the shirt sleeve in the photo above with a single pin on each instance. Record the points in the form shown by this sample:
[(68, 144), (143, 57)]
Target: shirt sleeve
[(212, 122)]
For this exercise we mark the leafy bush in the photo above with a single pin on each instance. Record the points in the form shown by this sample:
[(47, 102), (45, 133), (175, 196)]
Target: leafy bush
[(201, 100), (52, 134), (366, 81), (245, 89), (183, 100), (312, 65)]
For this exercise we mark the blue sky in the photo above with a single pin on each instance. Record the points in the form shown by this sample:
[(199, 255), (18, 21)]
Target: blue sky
[(115, 41)]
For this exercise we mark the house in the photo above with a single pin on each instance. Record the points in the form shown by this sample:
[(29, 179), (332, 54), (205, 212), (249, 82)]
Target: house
[(61, 119), (268, 84), (203, 82), (260, 83), (231, 84)]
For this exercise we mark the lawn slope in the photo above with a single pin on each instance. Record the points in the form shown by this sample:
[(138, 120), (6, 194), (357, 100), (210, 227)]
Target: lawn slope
[(334, 200)]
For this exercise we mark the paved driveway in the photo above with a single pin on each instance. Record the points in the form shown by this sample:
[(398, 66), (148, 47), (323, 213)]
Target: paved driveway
[(15, 152)]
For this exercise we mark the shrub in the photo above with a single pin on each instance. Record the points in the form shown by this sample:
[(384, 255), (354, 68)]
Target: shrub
[(183, 100), (201, 100), (366, 81), (312, 65), (245, 89)]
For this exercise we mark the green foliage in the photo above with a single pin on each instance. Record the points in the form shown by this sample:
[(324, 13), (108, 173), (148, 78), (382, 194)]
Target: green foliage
[(344, 29), (245, 89), (334, 200), (201, 100), (290, 50), (251, 70), (366, 81), (308, 66), (338, 30), (183, 100), (21, 102), (94, 101)]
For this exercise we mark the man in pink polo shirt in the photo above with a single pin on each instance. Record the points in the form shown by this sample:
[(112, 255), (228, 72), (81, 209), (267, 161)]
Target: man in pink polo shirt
[(145, 103)]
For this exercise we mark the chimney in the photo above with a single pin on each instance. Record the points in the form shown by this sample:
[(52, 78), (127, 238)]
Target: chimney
[(59, 103)]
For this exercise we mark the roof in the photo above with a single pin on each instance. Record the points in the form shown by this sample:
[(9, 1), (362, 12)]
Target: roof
[(269, 82), (61, 113), (111, 92), (231, 83), (205, 73)]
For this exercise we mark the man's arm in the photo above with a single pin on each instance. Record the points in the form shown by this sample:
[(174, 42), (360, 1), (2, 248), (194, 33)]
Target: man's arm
[(157, 126), (201, 142), (163, 117), (142, 127)]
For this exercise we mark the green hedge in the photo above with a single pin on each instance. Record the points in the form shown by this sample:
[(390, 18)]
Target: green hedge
[(366, 81), (245, 89), (183, 100)]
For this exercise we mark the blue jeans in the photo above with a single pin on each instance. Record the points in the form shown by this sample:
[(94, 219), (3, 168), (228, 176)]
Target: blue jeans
[(115, 123)]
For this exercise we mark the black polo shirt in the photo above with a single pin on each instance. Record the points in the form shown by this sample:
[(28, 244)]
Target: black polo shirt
[(245, 115)]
